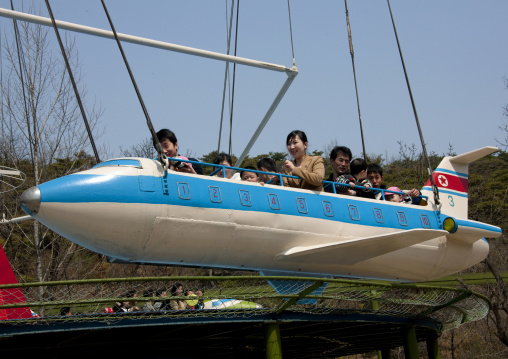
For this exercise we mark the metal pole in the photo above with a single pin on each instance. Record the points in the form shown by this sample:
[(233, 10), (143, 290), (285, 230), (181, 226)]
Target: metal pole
[(410, 342), (433, 348), (375, 306), (269, 113), (15, 220), (142, 41), (273, 342)]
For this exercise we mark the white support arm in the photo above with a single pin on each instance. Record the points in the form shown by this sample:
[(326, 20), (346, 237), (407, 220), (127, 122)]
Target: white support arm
[(142, 41)]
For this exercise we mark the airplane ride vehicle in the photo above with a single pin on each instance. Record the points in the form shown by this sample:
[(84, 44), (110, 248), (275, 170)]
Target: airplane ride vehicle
[(133, 210)]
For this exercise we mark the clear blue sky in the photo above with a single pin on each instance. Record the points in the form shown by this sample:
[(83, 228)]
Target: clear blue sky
[(456, 55)]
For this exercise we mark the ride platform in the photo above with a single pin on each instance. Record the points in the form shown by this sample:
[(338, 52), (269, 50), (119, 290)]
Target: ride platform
[(236, 317)]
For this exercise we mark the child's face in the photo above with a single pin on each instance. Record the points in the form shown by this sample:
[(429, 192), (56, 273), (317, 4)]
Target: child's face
[(376, 179), (394, 198), (170, 149), (250, 176)]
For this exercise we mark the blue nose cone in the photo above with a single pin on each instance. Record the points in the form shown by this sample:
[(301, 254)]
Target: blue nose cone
[(31, 200)]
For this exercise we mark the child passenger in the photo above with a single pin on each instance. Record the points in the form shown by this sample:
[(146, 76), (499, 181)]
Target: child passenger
[(249, 176), (358, 177), (393, 196), (375, 175)]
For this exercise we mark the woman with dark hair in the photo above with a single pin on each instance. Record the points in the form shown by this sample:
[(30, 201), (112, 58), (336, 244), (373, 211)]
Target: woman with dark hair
[(310, 169), (176, 304)]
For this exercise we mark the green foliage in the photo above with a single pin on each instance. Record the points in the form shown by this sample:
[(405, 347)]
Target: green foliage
[(277, 156)]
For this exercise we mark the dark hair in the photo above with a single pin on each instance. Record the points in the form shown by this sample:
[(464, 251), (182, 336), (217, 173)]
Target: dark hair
[(298, 133), (130, 294), (148, 292), (268, 163), (175, 287), (166, 134), (374, 167), (160, 290), (357, 165), (221, 157), (65, 310), (342, 149), (247, 168)]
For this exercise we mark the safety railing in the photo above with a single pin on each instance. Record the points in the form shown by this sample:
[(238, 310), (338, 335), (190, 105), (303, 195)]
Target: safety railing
[(280, 176), (236, 297)]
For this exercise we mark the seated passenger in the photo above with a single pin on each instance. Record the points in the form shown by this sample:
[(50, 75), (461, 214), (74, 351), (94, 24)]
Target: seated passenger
[(149, 305), (124, 307), (201, 303), (310, 169), (392, 196), (164, 305), (176, 304), (358, 177), (65, 311), (266, 164), (249, 176), (340, 157), (224, 159), (193, 299), (169, 144), (375, 175)]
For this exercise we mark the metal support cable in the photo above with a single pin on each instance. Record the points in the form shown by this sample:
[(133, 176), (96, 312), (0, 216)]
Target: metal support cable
[(162, 156), (434, 187), (226, 70), (21, 61), (69, 70), (234, 77), (354, 75), (291, 33)]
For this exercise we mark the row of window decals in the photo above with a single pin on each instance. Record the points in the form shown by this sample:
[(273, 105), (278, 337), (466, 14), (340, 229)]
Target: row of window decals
[(301, 205)]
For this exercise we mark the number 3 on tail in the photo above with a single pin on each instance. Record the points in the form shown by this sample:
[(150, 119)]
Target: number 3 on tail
[(450, 199)]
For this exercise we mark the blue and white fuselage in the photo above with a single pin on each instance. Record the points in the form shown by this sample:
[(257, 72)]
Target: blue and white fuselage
[(133, 210)]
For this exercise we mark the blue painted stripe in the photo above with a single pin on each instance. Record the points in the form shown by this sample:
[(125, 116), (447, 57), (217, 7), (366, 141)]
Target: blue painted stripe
[(451, 172), (87, 188), (427, 188)]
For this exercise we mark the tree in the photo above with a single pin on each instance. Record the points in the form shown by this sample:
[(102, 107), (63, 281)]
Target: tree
[(489, 203), (42, 134), (504, 128), (143, 149)]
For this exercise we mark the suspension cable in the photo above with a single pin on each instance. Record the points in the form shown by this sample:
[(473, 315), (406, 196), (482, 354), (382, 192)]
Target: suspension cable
[(162, 156), (291, 33), (354, 75), (234, 77), (429, 169), (69, 70), (21, 59), (226, 70)]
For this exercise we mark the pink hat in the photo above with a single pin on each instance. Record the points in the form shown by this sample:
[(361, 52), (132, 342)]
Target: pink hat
[(394, 189), (186, 163)]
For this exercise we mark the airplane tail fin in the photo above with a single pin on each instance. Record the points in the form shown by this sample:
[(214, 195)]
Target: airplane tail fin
[(10, 295), (451, 178)]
